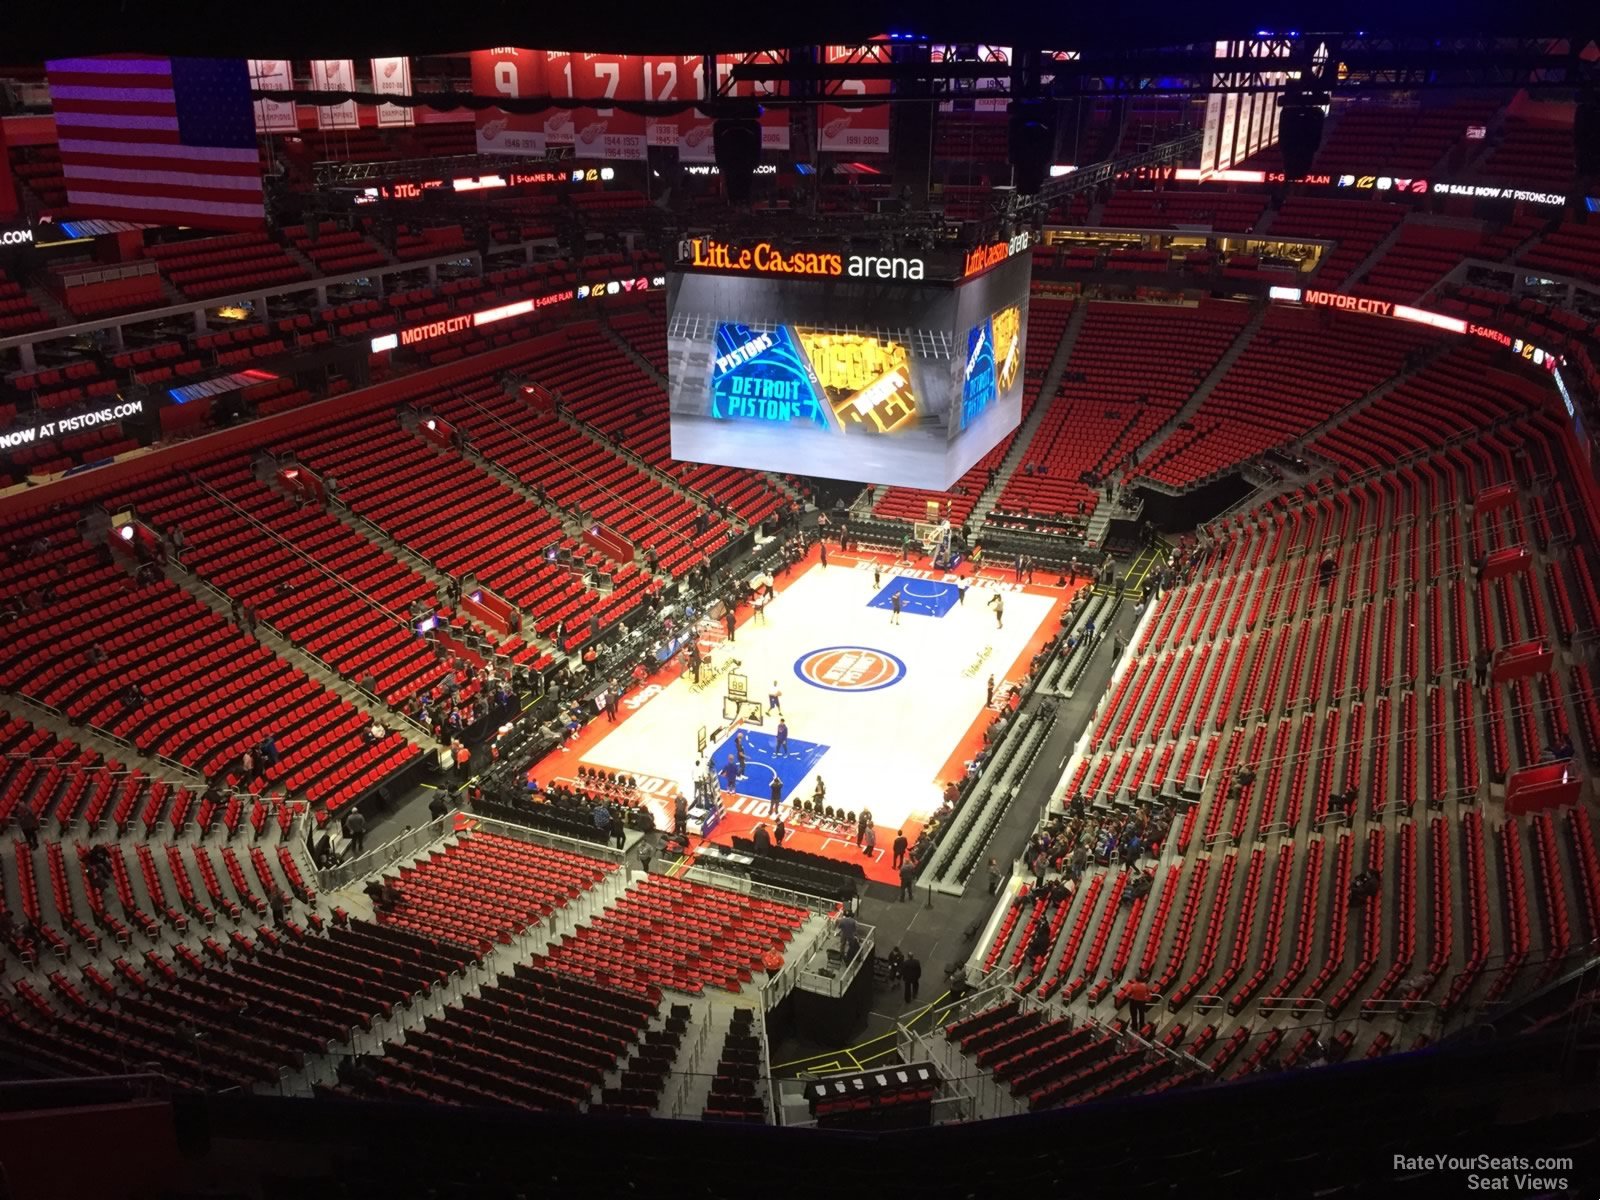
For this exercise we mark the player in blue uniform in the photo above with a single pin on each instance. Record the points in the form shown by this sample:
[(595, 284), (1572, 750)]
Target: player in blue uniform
[(782, 744), (775, 699)]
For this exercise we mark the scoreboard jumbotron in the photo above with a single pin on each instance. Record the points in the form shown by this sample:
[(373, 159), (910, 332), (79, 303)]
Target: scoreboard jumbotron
[(901, 369)]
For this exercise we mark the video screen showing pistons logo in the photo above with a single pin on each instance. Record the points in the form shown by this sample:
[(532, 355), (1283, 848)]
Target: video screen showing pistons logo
[(850, 669), (760, 376), (977, 386)]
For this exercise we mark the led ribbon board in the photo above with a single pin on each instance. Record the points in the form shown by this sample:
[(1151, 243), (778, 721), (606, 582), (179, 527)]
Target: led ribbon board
[(760, 376), (867, 381)]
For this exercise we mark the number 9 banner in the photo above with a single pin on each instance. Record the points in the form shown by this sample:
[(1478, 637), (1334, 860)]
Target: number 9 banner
[(520, 75)]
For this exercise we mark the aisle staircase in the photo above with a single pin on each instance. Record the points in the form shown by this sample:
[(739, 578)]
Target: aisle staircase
[(1220, 368), (1047, 395)]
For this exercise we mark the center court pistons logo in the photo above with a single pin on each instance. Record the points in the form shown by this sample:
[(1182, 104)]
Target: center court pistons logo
[(850, 669)]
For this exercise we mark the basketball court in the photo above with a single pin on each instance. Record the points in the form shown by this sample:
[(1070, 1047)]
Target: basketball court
[(882, 708)]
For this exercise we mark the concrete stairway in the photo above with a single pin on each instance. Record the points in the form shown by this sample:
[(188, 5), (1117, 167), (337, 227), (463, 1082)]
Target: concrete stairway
[(1047, 394), (633, 356), (660, 380), (1430, 354), (367, 705), (1359, 273), (1218, 370)]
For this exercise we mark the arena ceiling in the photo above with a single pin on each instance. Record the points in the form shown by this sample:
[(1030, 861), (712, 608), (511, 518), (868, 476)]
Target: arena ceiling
[(314, 28)]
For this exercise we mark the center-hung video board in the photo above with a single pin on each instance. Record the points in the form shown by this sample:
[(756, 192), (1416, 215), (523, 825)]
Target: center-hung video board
[(901, 369)]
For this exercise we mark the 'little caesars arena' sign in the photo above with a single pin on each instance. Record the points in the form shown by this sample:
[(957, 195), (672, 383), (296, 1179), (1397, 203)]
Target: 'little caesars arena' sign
[(764, 258), (64, 425)]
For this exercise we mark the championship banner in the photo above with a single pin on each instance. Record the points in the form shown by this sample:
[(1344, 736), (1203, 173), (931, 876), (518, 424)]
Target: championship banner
[(675, 78), (392, 77), (273, 75), (606, 133), (999, 55), (335, 75), (519, 74), (848, 130)]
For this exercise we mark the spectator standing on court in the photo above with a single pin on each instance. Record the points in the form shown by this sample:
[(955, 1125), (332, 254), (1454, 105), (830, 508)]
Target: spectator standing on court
[(776, 800), (899, 848)]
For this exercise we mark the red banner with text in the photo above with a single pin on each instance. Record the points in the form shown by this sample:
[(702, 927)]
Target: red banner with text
[(335, 75), (606, 133), (557, 76), (519, 74), (673, 78), (848, 129)]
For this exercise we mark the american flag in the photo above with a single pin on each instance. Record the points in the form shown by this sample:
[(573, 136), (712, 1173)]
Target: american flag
[(168, 141)]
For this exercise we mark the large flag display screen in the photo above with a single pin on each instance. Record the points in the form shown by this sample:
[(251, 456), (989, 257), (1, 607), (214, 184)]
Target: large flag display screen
[(868, 370)]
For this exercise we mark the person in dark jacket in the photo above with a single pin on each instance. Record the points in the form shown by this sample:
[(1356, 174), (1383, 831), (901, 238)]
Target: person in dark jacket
[(1039, 943), (28, 822), (911, 974), (355, 827), (899, 849)]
